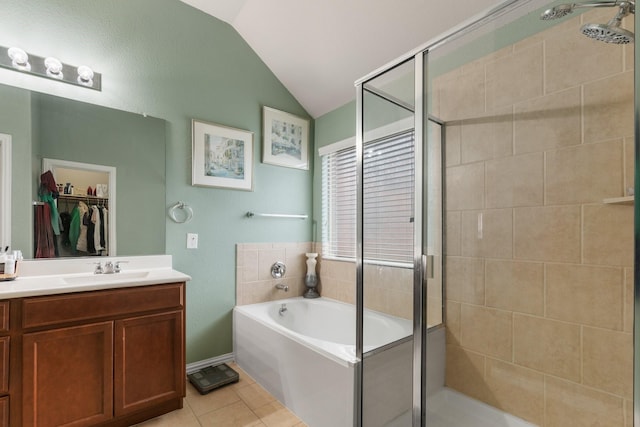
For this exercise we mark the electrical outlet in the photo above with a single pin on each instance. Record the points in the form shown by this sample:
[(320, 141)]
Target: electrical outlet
[(192, 241)]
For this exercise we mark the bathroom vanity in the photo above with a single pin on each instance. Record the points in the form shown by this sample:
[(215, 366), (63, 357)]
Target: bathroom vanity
[(92, 350)]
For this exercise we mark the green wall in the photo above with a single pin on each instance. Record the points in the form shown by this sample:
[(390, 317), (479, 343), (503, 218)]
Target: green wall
[(168, 60)]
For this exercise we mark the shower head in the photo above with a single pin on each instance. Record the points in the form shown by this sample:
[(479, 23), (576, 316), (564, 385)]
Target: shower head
[(557, 12), (612, 32), (608, 33)]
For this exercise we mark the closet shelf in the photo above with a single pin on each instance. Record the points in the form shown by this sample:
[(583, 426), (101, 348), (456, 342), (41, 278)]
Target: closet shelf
[(628, 200), (77, 198)]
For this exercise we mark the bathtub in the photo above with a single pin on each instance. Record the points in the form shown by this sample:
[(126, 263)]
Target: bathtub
[(306, 357)]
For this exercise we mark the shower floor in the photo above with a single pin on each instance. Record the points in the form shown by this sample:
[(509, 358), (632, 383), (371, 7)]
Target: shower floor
[(448, 408)]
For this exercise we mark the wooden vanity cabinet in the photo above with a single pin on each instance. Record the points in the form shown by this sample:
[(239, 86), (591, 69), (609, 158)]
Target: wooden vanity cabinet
[(98, 358)]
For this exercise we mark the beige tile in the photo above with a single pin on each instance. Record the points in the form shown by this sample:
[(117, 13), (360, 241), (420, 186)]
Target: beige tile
[(487, 233), (608, 108), (608, 361), (570, 60), (462, 96), (487, 331), (515, 286), (254, 396), (585, 294), (235, 415), (244, 380), (181, 417), (465, 280), (452, 144), (608, 235), (572, 405), (464, 372), (515, 78), (275, 415), (487, 137), (587, 173), (434, 311), (515, 181), (453, 233), (549, 122), (452, 323), (547, 346), (547, 233), (628, 413), (516, 390), (465, 187), (400, 304), (628, 299), (201, 404)]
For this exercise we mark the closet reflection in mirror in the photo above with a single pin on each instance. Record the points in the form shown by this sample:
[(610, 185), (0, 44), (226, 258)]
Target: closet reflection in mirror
[(76, 219)]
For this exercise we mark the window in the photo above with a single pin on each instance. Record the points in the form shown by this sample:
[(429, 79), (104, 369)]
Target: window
[(388, 200)]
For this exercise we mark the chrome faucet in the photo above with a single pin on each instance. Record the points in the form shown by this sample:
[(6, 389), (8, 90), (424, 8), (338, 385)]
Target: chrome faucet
[(282, 309), (282, 287), (98, 269), (109, 268)]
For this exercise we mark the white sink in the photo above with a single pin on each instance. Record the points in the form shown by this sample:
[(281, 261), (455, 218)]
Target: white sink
[(102, 278)]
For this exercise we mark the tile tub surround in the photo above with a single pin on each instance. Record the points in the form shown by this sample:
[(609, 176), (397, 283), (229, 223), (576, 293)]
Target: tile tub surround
[(540, 302), (253, 270)]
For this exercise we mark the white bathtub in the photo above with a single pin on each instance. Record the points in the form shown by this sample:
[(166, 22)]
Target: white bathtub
[(306, 357)]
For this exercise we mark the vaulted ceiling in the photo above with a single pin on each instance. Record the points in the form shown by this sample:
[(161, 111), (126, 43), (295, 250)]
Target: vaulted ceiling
[(319, 48)]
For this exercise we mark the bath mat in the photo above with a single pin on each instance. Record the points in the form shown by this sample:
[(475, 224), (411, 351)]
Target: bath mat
[(213, 377)]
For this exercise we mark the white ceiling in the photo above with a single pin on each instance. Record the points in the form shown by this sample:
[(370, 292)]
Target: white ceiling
[(319, 48)]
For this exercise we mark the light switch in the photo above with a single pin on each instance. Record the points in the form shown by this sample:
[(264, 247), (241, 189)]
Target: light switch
[(192, 241)]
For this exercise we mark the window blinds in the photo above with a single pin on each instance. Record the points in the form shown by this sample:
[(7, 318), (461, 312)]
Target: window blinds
[(388, 200)]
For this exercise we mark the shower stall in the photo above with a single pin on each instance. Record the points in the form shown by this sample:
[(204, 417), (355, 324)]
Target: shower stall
[(495, 177)]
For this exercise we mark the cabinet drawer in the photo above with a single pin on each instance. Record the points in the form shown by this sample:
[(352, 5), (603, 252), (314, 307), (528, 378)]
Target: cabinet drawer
[(50, 310)]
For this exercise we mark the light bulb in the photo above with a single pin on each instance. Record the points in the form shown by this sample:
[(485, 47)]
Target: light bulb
[(54, 67), (19, 58), (85, 75)]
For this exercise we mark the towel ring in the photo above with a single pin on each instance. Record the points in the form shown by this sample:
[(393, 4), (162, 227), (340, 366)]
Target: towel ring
[(181, 213)]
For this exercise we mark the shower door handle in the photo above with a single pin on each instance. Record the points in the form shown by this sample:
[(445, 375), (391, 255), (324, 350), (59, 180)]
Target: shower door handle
[(427, 266)]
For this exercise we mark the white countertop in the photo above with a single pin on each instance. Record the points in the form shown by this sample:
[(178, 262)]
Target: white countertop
[(59, 276)]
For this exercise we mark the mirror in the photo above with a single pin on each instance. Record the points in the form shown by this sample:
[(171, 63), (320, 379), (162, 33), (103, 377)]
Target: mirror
[(58, 128)]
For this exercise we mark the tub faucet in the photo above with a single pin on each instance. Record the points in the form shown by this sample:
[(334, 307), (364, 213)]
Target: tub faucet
[(282, 309), (282, 287)]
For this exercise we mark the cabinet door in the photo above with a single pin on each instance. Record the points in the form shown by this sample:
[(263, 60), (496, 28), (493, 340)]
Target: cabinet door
[(149, 361), (68, 376)]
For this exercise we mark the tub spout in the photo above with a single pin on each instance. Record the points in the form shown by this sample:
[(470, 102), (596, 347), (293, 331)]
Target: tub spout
[(282, 309), (282, 287)]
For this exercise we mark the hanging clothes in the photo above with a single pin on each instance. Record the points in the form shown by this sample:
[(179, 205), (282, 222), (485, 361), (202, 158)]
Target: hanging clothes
[(44, 238), (83, 213), (74, 229), (97, 226)]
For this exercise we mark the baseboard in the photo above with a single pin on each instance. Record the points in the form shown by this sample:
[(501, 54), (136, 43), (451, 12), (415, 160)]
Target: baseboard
[(195, 366)]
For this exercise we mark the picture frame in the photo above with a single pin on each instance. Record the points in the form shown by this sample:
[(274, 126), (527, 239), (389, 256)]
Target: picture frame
[(222, 156), (286, 139)]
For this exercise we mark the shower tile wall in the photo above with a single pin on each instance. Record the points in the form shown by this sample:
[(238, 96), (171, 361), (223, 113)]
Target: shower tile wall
[(539, 285), (253, 271)]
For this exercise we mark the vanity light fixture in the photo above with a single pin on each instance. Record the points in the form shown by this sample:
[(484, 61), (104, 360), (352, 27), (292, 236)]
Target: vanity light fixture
[(16, 59), (54, 67), (19, 59)]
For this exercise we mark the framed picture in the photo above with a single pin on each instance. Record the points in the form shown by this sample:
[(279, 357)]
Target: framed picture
[(222, 156), (286, 139)]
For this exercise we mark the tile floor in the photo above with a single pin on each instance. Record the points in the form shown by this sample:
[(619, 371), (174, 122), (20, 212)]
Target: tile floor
[(243, 404)]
